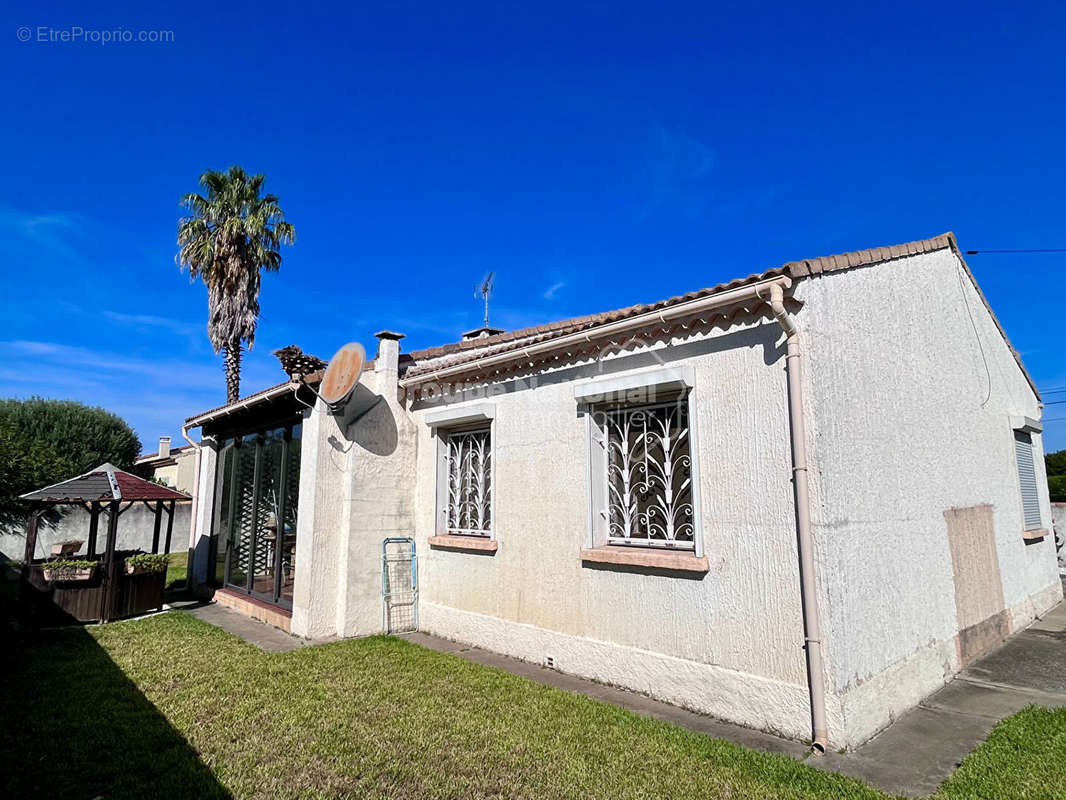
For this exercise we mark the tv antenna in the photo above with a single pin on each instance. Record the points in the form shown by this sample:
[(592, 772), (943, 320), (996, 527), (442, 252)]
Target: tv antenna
[(484, 291)]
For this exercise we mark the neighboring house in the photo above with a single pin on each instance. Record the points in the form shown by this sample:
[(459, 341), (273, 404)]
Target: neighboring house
[(613, 495), (1058, 525), (173, 466)]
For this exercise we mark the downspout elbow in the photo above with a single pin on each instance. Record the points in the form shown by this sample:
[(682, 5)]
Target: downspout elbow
[(777, 305)]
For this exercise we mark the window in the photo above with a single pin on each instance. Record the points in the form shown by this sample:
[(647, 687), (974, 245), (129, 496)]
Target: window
[(1023, 450), (647, 469), (468, 476)]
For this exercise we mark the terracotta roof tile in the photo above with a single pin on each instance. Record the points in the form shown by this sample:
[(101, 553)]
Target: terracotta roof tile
[(432, 358)]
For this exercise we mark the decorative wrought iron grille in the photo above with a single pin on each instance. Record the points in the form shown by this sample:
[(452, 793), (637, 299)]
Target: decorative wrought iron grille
[(649, 478), (469, 465)]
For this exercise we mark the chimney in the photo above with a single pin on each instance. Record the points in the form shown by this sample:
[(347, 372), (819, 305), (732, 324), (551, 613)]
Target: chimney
[(387, 360), (164, 447)]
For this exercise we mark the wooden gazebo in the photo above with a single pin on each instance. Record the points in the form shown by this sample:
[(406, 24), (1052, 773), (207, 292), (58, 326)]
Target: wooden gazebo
[(111, 592)]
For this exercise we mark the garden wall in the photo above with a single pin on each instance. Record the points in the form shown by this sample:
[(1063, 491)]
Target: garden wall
[(135, 529)]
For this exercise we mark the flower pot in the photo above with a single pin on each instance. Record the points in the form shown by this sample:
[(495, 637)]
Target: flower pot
[(68, 575)]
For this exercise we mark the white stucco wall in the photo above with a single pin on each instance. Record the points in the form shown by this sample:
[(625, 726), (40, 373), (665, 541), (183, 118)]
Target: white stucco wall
[(905, 424), (356, 488), (728, 643)]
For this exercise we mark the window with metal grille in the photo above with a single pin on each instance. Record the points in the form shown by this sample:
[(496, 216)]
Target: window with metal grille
[(648, 468), (1023, 450), (468, 468)]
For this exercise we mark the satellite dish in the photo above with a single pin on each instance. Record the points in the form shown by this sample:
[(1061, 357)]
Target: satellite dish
[(342, 373)]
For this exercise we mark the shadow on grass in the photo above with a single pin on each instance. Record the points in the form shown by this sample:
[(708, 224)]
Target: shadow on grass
[(74, 726)]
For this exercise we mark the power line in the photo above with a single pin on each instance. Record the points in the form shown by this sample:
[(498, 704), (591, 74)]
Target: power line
[(1046, 250)]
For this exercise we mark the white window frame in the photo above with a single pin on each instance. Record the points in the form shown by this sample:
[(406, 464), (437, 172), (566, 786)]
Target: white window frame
[(460, 421), (635, 390)]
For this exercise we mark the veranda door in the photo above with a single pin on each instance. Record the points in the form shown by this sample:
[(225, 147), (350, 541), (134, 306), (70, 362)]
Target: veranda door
[(260, 487)]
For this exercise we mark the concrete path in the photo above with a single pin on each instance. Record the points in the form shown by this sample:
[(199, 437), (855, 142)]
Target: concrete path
[(922, 748), (913, 756), (251, 630)]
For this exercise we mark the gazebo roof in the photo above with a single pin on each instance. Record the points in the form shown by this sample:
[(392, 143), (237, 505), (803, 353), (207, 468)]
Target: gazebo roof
[(105, 483)]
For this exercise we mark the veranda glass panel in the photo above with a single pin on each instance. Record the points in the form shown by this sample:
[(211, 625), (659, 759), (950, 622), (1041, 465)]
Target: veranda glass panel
[(469, 465), (223, 489), (649, 479), (292, 494), (268, 512), (243, 526)]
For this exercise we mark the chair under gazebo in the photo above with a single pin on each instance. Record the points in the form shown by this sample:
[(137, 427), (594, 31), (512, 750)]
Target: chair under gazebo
[(109, 589)]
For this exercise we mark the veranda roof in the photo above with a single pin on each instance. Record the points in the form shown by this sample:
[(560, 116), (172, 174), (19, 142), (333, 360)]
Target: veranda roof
[(105, 483)]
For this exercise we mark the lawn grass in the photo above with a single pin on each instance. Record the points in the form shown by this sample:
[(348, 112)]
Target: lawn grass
[(171, 707), (177, 570)]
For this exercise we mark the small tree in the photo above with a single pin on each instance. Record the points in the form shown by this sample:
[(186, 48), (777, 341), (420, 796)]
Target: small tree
[(47, 441), (1056, 475)]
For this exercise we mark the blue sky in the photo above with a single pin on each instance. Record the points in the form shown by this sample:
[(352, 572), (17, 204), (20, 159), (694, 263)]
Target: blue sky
[(593, 155)]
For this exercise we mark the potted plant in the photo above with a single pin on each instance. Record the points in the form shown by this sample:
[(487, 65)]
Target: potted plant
[(69, 569), (146, 562)]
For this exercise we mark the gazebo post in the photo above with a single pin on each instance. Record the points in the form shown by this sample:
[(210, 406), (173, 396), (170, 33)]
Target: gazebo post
[(94, 526), (31, 538), (110, 572), (155, 530), (170, 523)]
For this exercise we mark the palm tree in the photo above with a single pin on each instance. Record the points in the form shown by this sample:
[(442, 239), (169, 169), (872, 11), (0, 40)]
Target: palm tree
[(231, 235)]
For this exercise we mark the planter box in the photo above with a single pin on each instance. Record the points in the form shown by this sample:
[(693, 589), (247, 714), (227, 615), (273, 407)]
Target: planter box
[(133, 570), (68, 575)]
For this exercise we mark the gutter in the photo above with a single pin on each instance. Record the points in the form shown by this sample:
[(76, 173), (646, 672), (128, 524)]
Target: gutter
[(805, 543), (740, 294)]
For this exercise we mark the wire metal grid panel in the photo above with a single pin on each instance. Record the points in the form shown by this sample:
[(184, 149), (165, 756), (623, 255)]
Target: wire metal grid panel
[(399, 585)]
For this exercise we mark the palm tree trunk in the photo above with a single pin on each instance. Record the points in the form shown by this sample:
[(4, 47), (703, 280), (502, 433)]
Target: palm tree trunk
[(234, 353)]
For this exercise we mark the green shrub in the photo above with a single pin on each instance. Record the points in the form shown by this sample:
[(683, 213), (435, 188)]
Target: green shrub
[(148, 562), (47, 441)]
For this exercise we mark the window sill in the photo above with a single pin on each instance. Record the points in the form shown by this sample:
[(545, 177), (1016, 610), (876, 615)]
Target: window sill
[(475, 543), (1034, 535), (673, 560)]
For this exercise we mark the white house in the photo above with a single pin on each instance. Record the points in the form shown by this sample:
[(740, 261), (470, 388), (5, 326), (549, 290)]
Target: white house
[(801, 500)]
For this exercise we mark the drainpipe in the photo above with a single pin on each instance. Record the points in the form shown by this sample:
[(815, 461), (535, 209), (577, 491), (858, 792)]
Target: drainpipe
[(195, 505), (808, 581)]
